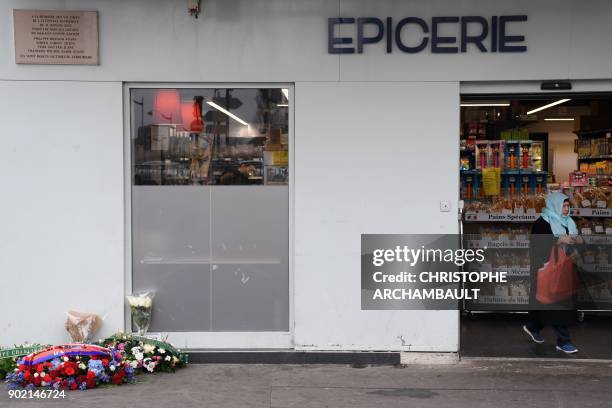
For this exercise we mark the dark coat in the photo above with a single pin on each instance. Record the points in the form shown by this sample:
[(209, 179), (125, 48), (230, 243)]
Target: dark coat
[(541, 242)]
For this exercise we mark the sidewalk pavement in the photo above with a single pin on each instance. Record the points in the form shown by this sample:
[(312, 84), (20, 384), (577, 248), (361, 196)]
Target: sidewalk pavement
[(470, 383)]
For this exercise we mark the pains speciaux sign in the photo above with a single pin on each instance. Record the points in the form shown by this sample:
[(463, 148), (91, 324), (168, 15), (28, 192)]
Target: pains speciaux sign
[(350, 35)]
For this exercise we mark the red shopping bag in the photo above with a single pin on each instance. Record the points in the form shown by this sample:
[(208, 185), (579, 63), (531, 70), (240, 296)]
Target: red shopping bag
[(557, 279)]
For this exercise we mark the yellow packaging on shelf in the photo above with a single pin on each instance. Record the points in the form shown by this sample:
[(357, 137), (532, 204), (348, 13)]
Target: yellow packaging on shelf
[(276, 158), (491, 180)]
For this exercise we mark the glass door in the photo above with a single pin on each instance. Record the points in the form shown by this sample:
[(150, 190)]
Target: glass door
[(210, 213)]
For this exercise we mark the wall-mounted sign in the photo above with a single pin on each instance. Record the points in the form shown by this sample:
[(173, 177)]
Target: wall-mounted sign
[(413, 34), (56, 37)]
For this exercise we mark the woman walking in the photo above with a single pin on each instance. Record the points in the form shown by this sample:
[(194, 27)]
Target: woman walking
[(554, 227)]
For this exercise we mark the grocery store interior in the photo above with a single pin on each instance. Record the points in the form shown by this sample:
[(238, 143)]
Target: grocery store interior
[(514, 150)]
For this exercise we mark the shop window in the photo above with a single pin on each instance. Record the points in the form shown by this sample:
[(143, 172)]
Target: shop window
[(210, 136), (210, 207)]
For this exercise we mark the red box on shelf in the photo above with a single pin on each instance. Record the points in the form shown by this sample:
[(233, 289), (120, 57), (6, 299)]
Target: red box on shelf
[(579, 178)]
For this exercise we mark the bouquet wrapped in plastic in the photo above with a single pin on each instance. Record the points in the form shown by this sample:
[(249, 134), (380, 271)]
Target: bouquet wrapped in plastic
[(82, 326), (141, 308)]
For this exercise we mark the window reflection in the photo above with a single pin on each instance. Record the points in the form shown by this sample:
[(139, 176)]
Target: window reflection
[(210, 136)]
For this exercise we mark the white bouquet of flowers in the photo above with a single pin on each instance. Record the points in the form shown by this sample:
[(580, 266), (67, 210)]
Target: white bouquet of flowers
[(141, 306)]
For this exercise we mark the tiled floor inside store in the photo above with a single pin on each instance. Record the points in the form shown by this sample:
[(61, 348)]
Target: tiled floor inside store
[(501, 335)]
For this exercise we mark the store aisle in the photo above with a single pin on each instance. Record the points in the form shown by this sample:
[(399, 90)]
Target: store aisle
[(500, 335)]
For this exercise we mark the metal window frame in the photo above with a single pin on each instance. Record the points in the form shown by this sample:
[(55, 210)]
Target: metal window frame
[(211, 340)]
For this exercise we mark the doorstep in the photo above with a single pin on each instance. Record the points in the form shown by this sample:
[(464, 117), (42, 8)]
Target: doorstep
[(292, 357)]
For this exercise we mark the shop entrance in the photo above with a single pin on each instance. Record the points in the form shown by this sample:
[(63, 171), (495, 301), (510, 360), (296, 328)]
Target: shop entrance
[(516, 149)]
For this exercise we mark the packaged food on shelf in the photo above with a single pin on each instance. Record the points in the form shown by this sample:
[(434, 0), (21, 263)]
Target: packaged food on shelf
[(538, 183), (523, 260), (525, 154), (515, 134), (477, 206), (517, 204), (467, 185), (581, 201), (519, 288), (501, 290), (578, 178), (608, 226), (584, 226), (589, 256), (595, 196), (486, 289), (600, 291), (596, 290), (540, 203), (598, 226), (512, 154), (602, 256)]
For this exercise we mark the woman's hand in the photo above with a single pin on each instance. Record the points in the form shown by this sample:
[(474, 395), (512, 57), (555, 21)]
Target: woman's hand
[(565, 239), (578, 239)]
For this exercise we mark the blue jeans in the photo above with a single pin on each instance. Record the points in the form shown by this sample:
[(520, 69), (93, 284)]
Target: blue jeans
[(562, 332)]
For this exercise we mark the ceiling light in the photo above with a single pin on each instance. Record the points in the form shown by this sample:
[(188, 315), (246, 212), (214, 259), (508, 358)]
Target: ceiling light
[(560, 101), (559, 119), (228, 113), (282, 105)]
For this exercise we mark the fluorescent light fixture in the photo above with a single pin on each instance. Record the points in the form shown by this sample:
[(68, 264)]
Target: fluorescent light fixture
[(486, 104), (560, 101), (285, 92), (559, 119), (282, 105), (228, 113)]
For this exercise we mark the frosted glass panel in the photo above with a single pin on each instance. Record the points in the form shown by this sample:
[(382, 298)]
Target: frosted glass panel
[(250, 264), (171, 254)]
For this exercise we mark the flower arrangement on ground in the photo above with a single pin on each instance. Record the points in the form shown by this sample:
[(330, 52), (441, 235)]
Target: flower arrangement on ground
[(71, 367), (147, 355), (113, 361), (9, 356)]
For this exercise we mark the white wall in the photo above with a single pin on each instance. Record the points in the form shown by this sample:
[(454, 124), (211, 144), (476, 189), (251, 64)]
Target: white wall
[(560, 143), (64, 200), (564, 159), (61, 242), (371, 158), (286, 41)]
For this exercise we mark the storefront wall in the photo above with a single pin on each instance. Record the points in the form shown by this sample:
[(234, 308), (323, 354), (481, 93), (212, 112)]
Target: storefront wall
[(375, 146)]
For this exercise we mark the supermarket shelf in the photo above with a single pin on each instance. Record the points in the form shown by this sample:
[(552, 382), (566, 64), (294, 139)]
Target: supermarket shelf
[(514, 271), (501, 300), (490, 244), (599, 157), (592, 212), (595, 132), (595, 304), (596, 268), (597, 239), (506, 170), (502, 217)]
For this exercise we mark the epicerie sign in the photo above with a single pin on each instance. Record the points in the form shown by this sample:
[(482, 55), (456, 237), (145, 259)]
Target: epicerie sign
[(488, 35)]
